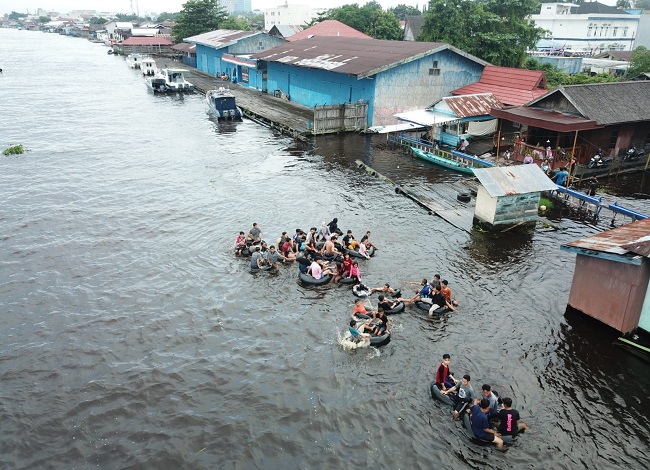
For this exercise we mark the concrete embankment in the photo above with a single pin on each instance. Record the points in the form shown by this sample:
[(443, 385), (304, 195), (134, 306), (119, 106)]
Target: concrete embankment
[(277, 113)]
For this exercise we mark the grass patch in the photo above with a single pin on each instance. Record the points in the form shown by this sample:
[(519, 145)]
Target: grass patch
[(545, 202), (15, 150)]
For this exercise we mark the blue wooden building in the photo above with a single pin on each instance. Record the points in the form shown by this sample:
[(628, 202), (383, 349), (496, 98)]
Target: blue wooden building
[(390, 76), (227, 51)]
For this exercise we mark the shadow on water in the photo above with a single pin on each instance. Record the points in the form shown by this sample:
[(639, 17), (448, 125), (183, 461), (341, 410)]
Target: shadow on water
[(496, 249)]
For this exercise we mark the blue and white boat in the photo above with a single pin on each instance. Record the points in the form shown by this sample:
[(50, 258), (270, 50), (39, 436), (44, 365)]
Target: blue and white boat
[(222, 104)]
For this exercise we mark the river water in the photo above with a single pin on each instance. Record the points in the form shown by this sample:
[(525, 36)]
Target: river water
[(130, 336)]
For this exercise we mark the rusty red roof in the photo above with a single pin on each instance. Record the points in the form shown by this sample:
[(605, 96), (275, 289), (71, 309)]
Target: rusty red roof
[(146, 41), (628, 238), (354, 56), (511, 86), (472, 105), (328, 28)]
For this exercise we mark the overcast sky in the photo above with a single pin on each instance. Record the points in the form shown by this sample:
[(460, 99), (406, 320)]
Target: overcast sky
[(158, 6)]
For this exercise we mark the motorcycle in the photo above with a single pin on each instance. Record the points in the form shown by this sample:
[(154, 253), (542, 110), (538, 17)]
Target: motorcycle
[(598, 160), (633, 153)]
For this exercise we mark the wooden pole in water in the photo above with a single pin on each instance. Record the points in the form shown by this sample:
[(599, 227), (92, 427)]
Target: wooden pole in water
[(573, 157), (498, 142), (647, 162)]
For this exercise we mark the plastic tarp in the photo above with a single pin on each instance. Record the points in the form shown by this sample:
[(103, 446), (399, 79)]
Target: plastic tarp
[(405, 126), (425, 117), (482, 127)]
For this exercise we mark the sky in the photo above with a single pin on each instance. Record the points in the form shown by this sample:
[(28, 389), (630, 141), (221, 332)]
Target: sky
[(158, 6)]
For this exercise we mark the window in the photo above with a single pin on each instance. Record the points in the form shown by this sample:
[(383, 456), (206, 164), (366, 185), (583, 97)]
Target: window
[(625, 31), (435, 64), (589, 30), (615, 31), (434, 71)]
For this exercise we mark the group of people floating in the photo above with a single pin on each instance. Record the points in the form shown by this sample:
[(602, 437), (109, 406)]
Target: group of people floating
[(319, 252), (320, 256), (488, 420)]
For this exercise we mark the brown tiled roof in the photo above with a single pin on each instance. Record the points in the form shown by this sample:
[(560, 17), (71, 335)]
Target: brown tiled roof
[(353, 56)]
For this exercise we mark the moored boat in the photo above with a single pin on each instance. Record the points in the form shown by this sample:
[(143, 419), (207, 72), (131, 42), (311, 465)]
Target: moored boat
[(222, 103), (456, 161), (175, 80), (156, 84)]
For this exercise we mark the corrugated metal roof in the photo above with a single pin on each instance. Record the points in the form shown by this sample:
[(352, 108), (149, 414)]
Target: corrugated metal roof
[(328, 28), (219, 38), (185, 47), (426, 117), (354, 56), (146, 41), (285, 30), (472, 105), (510, 180), (619, 240)]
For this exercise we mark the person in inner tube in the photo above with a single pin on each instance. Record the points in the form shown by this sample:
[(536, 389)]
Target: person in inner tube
[(509, 417), (358, 332), (463, 395), (444, 379), (481, 426), (386, 304), (423, 294), (254, 235)]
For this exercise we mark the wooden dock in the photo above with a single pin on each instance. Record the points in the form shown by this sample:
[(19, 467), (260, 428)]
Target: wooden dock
[(290, 118), (439, 199)]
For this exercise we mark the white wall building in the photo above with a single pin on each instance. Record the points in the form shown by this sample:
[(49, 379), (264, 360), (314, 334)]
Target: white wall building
[(290, 14), (588, 28)]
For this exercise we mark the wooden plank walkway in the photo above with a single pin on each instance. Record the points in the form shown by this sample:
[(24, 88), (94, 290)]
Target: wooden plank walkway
[(277, 113)]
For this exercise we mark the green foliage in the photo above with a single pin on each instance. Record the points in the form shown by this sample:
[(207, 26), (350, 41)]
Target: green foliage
[(401, 11), (623, 4), (15, 150), (235, 23), (370, 19), (165, 16), (555, 77), (14, 15), (198, 17), (44, 19), (498, 31), (125, 17), (639, 62), (95, 20), (643, 4)]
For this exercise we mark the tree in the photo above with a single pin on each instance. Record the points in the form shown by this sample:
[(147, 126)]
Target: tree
[(44, 19), (555, 77), (498, 31), (125, 17), (235, 23), (623, 4), (14, 15), (95, 20), (639, 62), (402, 11), (197, 17), (164, 16), (370, 19)]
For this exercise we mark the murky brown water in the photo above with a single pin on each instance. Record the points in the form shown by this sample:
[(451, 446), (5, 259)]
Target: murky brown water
[(132, 338)]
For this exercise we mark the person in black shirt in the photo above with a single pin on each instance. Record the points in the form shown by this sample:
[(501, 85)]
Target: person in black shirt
[(347, 238), (366, 238), (333, 226), (438, 300), (386, 304), (509, 417)]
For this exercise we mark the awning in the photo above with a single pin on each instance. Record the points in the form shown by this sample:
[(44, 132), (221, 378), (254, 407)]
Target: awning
[(243, 61), (545, 119), (425, 117), (406, 126)]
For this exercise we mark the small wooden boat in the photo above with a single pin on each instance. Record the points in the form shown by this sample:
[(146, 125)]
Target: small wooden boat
[(452, 160)]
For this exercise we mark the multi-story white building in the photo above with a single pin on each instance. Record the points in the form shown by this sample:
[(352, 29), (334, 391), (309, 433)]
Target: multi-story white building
[(236, 6), (290, 14), (588, 28)]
